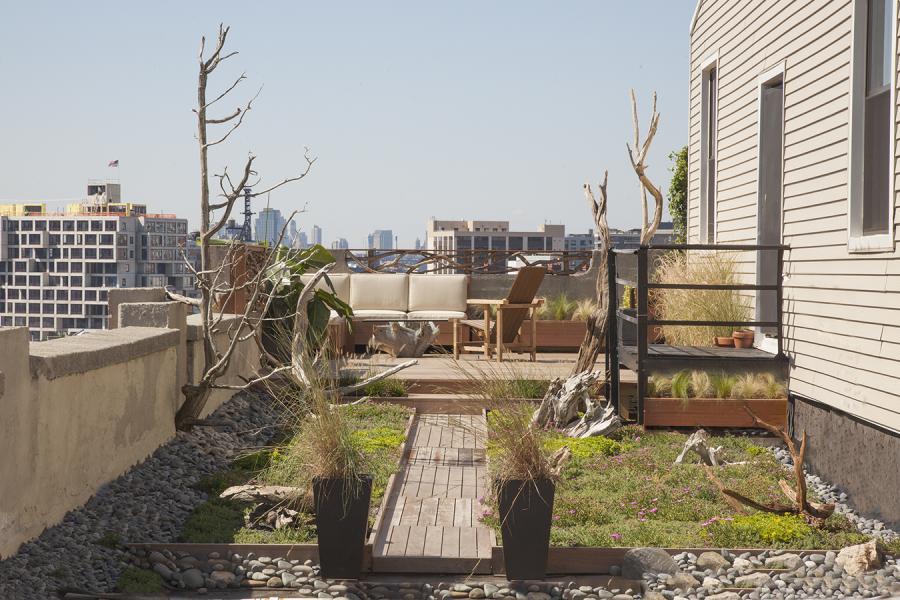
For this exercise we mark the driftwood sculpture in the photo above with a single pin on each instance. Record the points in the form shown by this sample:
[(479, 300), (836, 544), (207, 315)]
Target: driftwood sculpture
[(597, 322), (271, 506), (698, 443), (403, 341), (564, 399), (800, 505)]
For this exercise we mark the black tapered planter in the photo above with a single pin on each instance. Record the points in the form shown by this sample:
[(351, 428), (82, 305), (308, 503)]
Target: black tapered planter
[(526, 511), (341, 522)]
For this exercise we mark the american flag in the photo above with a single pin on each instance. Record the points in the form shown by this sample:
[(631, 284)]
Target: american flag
[(113, 163)]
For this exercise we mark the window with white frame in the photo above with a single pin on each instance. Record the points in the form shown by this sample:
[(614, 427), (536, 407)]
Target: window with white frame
[(872, 126), (708, 145)]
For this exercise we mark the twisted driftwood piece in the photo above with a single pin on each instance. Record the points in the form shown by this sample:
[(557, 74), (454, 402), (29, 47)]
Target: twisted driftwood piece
[(698, 443), (403, 341), (812, 511)]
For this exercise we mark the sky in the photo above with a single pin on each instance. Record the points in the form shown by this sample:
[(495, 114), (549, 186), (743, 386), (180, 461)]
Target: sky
[(494, 110)]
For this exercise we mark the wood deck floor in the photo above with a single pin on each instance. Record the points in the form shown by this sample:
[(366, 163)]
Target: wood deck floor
[(432, 511), (442, 366)]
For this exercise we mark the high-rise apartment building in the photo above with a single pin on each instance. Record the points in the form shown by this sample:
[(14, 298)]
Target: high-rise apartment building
[(340, 244), (56, 267), (316, 235), (381, 239), (269, 224)]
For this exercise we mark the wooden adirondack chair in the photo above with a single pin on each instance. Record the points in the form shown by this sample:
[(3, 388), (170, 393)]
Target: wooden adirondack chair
[(503, 334)]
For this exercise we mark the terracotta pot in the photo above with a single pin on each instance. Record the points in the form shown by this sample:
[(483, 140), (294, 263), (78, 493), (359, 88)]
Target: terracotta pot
[(724, 342), (743, 338)]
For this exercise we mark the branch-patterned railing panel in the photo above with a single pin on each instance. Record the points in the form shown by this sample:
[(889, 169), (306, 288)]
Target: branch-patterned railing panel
[(471, 262)]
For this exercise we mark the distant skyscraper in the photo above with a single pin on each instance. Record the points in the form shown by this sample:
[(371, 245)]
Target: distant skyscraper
[(382, 239), (419, 243), (302, 239), (340, 244), (269, 223), (316, 234)]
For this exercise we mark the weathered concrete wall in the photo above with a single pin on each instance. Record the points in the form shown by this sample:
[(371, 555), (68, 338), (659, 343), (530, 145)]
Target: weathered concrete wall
[(861, 459), (118, 296), (244, 362), (77, 412)]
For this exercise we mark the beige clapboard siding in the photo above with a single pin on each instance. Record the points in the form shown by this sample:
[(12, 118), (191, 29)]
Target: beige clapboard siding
[(842, 310)]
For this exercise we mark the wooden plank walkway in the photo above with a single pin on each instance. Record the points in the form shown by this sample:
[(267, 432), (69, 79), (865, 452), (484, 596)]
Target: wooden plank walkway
[(430, 521)]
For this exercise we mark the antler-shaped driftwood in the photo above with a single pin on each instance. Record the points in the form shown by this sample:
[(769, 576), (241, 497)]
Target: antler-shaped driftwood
[(813, 511), (638, 163)]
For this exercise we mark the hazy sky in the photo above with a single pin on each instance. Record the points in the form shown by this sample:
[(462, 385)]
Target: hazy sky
[(457, 110)]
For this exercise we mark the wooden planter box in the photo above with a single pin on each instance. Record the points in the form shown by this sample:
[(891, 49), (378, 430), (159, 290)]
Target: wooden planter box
[(712, 412), (556, 335)]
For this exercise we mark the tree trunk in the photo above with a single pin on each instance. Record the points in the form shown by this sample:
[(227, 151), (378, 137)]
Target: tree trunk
[(597, 325)]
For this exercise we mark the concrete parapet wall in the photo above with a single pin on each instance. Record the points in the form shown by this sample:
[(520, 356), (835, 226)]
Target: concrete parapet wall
[(244, 362), (79, 411)]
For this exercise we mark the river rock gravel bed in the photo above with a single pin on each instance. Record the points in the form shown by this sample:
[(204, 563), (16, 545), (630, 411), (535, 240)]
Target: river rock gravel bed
[(149, 503)]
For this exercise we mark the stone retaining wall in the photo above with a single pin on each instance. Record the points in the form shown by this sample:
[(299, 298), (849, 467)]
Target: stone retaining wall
[(79, 411)]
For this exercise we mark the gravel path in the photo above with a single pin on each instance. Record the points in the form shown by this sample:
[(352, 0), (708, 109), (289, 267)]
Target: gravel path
[(149, 503)]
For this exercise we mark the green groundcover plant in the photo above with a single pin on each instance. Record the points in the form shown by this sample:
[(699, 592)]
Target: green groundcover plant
[(627, 491), (375, 431)]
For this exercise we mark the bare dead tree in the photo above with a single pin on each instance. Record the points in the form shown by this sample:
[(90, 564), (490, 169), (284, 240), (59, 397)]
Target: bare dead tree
[(638, 157), (214, 281), (597, 323)]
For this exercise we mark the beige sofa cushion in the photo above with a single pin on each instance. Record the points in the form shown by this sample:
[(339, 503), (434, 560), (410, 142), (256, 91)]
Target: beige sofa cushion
[(378, 315), (379, 291), (340, 281), (438, 292), (435, 315)]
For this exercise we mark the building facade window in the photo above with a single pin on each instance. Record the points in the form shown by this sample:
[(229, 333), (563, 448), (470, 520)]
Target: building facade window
[(708, 146), (871, 189)]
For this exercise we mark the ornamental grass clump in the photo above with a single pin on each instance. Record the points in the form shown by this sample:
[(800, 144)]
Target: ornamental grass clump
[(324, 445), (518, 448), (698, 304), (686, 384)]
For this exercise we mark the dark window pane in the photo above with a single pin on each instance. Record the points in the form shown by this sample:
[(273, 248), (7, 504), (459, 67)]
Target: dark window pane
[(878, 46)]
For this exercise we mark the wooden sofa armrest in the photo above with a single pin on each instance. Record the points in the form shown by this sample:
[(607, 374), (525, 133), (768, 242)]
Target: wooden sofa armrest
[(485, 301)]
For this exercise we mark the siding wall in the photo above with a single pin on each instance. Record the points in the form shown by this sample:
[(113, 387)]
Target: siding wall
[(842, 310)]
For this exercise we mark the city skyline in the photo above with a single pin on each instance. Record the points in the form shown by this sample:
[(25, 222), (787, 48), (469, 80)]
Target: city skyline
[(427, 124)]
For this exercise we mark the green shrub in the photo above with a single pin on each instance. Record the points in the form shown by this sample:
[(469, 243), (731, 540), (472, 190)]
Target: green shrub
[(763, 529), (139, 581), (561, 307), (388, 387), (110, 539), (586, 447), (379, 438), (214, 522)]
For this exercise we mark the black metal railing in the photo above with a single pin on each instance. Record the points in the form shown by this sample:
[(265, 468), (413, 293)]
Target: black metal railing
[(642, 284)]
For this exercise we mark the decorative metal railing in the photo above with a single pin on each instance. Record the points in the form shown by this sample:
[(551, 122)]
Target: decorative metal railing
[(471, 262)]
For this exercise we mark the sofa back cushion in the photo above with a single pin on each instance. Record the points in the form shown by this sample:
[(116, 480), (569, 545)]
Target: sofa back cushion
[(438, 292), (340, 281), (379, 291)]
